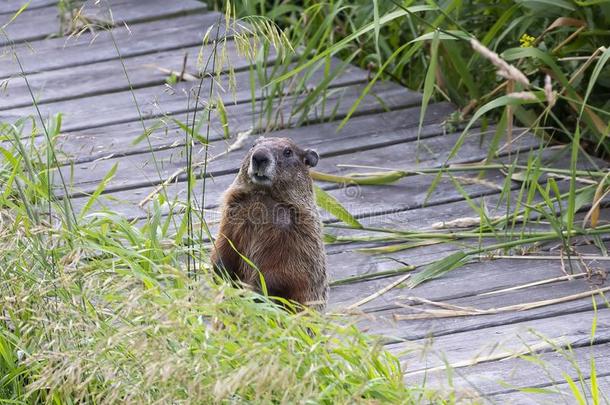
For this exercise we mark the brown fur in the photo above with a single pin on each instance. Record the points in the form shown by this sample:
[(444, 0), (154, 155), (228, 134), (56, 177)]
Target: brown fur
[(276, 226)]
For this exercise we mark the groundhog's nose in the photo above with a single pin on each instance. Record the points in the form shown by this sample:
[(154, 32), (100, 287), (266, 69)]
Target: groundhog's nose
[(260, 160)]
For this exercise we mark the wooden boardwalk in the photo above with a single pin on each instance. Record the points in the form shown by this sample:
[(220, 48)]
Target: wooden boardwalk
[(84, 79)]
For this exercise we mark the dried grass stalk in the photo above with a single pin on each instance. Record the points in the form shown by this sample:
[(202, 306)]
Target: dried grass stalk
[(494, 355), (551, 96), (505, 69), (523, 95), (466, 222), (449, 310), (379, 293)]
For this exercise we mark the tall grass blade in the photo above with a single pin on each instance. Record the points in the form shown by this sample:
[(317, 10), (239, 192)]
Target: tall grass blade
[(572, 193), (428, 84), (574, 389), (594, 386), (439, 267), (329, 204), (597, 70), (17, 14), (98, 191), (370, 179)]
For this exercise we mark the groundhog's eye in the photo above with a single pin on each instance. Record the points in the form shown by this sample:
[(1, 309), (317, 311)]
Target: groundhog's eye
[(287, 152)]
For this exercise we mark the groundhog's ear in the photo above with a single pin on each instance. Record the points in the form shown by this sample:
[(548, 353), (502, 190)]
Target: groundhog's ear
[(311, 158)]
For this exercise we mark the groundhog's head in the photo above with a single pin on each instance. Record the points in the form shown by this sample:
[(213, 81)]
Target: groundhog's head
[(278, 162)]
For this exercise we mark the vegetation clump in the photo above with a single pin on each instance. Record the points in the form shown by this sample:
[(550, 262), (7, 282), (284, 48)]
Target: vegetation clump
[(427, 47), (97, 309)]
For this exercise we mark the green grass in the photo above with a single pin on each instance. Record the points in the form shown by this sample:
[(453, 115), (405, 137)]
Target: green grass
[(395, 41), (131, 328), (105, 311)]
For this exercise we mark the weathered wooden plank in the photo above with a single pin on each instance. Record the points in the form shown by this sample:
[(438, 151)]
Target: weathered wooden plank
[(161, 100), (138, 39), (370, 129), (366, 133), (108, 76), (563, 395), (138, 11), (471, 279), (465, 281), (502, 379), (455, 217), (385, 322), (172, 159), (38, 23), (12, 6), (414, 192), (409, 192), (477, 346), (445, 219), (369, 104), (222, 176)]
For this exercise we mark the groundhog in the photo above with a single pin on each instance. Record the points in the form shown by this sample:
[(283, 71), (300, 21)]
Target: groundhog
[(269, 216)]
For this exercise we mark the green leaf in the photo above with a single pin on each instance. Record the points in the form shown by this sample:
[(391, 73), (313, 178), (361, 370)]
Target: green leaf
[(498, 25), (195, 134), (98, 190), (535, 53), (581, 199), (329, 204), (590, 117), (496, 103), (572, 193), (323, 86), (594, 75), (428, 83), (594, 386), (594, 323), (532, 390), (254, 266), (224, 120), (377, 27), (590, 2), (401, 246), (439, 267), (575, 391), (369, 180), (147, 133), (460, 65), (21, 10)]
